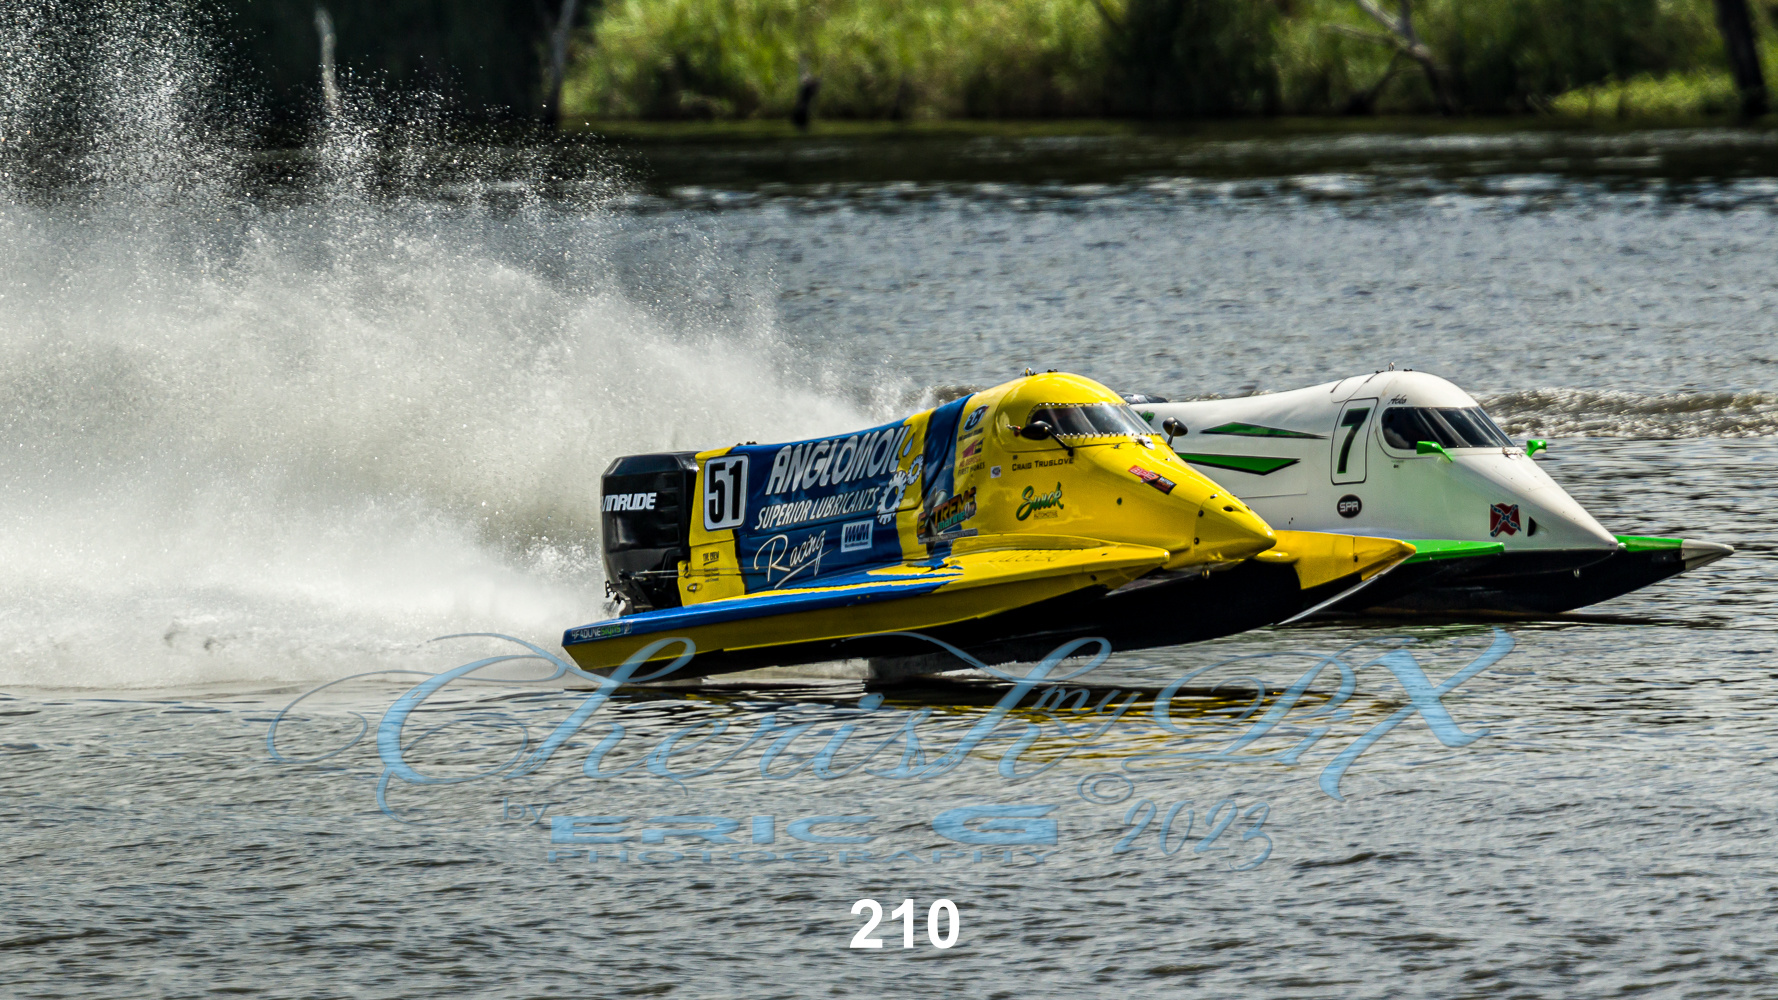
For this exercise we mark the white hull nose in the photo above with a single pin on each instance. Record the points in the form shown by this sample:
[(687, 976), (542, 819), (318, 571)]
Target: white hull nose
[(1526, 510), (1695, 554)]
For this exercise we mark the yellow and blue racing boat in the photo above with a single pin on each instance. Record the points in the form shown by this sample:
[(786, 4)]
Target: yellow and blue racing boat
[(1002, 523)]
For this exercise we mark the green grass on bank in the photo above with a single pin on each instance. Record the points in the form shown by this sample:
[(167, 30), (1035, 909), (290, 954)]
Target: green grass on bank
[(1686, 94), (915, 60)]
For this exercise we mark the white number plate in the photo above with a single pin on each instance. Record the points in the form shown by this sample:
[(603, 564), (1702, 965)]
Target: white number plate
[(725, 492)]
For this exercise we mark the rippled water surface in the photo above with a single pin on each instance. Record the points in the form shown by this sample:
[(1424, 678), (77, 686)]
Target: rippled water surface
[(263, 435)]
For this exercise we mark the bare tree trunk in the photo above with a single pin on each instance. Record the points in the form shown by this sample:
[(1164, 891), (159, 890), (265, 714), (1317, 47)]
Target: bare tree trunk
[(1737, 37), (807, 86), (558, 63), (330, 88)]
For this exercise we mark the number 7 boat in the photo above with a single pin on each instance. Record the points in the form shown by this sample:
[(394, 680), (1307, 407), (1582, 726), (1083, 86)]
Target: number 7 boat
[(1410, 455)]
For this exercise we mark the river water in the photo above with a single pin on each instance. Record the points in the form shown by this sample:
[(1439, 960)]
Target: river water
[(277, 419)]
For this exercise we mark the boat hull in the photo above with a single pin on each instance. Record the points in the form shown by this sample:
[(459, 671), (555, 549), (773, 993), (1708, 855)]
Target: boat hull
[(1115, 594), (1527, 583), (1410, 455)]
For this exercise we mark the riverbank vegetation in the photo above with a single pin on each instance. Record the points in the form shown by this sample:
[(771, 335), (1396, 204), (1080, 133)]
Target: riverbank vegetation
[(936, 59), (1681, 94)]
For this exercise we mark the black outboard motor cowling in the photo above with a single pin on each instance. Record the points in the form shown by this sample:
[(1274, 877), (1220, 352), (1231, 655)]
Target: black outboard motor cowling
[(645, 521)]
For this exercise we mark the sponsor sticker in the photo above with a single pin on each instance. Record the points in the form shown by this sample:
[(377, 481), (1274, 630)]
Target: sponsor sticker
[(1154, 479), (897, 488), (994, 471), (630, 501), (1040, 505), (783, 515), (975, 417), (589, 633), (855, 536), (796, 500), (951, 512), (1349, 505), (834, 461)]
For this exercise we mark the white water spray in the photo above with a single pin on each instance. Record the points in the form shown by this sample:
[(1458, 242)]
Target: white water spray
[(293, 438)]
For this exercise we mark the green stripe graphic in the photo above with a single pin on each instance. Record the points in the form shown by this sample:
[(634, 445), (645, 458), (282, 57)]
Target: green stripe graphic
[(1256, 430), (1256, 464)]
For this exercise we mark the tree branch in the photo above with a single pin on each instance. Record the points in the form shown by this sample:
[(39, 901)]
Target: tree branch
[(1363, 35), (558, 61), (1402, 37), (1379, 15)]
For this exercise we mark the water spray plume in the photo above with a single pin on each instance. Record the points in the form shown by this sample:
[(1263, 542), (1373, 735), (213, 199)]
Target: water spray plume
[(292, 435)]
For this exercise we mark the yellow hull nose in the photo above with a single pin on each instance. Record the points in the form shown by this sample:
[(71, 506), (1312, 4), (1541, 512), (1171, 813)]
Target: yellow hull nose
[(1319, 557), (1224, 531)]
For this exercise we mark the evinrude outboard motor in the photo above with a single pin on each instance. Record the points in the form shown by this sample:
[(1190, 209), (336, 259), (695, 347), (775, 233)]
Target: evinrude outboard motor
[(645, 517)]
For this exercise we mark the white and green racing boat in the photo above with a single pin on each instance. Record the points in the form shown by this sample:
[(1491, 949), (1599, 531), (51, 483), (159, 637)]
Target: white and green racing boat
[(1409, 455)]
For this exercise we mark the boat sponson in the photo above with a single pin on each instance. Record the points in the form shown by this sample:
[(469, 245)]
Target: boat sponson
[(786, 625), (1535, 583)]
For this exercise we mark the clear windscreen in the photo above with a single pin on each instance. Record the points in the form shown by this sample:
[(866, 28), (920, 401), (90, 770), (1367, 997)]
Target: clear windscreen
[(1404, 427), (1089, 419)]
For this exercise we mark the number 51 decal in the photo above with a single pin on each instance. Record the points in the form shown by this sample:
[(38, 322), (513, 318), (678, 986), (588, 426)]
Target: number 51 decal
[(725, 492)]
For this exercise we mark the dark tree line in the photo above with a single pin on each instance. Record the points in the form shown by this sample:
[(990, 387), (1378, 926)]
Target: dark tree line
[(489, 58), (1199, 58), (505, 59)]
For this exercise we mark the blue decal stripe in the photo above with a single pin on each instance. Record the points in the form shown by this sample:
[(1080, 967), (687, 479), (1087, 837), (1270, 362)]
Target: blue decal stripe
[(760, 606)]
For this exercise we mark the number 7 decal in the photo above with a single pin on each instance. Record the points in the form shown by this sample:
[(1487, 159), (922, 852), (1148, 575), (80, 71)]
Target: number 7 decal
[(725, 492), (1350, 442)]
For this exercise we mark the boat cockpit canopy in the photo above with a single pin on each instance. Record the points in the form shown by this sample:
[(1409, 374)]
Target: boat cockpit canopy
[(1089, 419), (1404, 427)]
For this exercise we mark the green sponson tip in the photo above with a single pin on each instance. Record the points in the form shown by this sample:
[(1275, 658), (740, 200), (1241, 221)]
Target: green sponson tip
[(1434, 549)]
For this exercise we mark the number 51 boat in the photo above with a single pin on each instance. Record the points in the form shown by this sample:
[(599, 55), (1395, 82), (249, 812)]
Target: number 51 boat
[(1005, 524)]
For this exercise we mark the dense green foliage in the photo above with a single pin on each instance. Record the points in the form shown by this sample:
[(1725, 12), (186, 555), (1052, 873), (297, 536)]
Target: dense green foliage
[(1144, 58), (875, 58), (1498, 55)]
